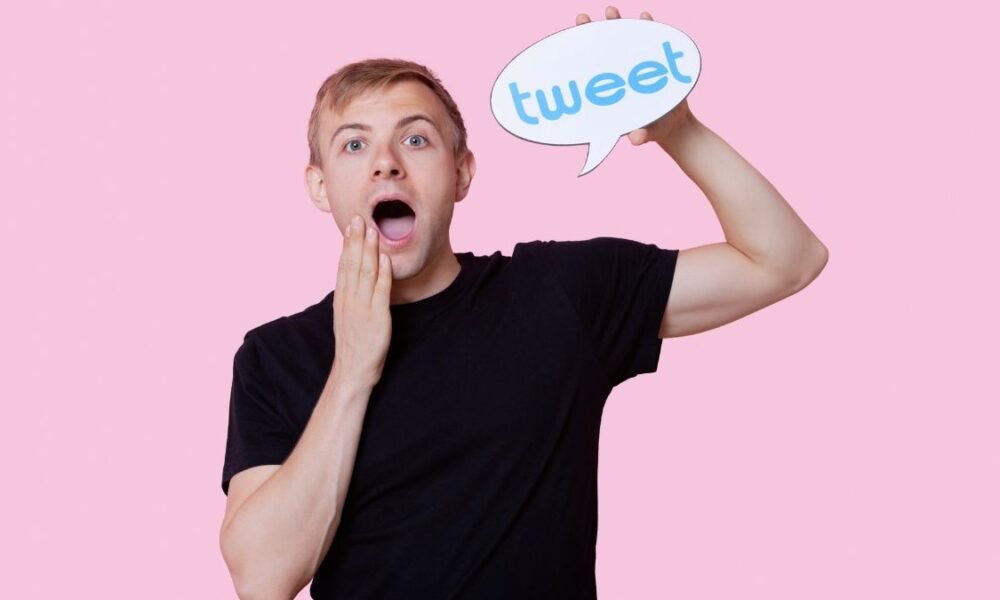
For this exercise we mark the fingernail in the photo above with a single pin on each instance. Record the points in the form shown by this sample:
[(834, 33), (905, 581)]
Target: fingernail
[(370, 234), (356, 221)]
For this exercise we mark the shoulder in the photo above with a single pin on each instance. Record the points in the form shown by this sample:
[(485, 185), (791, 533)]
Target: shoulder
[(287, 333), (604, 255), (592, 247)]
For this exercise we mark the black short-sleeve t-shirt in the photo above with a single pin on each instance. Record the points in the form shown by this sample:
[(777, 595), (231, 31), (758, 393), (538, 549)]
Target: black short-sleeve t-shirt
[(476, 470)]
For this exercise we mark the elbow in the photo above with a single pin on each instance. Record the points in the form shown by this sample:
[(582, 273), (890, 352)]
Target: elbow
[(251, 579), (249, 593), (814, 261), (259, 588)]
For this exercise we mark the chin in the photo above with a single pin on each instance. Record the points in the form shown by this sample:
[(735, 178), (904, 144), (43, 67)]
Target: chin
[(405, 269)]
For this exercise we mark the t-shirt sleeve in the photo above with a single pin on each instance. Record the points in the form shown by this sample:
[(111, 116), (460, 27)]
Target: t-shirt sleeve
[(257, 433), (619, 288)]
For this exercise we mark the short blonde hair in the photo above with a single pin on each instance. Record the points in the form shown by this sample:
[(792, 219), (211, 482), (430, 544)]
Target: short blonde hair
[(350, 81)]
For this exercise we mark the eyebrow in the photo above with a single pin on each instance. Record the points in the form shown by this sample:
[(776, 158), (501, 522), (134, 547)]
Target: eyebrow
[(402, 123)]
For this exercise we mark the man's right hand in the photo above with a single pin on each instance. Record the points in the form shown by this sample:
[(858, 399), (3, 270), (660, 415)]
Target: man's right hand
[(362, 325)]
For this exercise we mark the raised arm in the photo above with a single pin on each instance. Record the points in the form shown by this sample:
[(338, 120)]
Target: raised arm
[(769, 253)]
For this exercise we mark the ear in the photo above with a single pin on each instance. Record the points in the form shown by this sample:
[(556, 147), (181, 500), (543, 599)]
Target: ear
[(466, 167), (317, 189)]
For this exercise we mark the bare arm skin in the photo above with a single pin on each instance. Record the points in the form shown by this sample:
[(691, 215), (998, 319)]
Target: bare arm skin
[(280, 520), (769, 252), (274, 539)]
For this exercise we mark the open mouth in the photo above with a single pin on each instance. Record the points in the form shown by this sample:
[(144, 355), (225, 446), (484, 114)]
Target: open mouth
[(394, 218)]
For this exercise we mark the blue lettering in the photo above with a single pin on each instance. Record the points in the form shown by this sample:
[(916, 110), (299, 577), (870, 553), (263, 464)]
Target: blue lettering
[(603, 89), (561, 107), (594, 88), (635, 78), (614, 82), (518, 96), (672, 60)]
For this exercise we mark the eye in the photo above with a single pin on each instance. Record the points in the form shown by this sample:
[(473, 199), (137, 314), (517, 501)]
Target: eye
[(418, 136), (353, 146)]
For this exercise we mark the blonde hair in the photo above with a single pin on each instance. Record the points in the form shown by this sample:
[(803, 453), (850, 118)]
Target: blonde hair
[(350, 81)]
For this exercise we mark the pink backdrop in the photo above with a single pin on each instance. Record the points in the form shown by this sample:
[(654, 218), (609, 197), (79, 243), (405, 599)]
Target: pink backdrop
[(840, 444)]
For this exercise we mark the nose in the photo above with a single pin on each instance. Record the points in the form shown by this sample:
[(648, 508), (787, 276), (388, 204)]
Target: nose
[(387, 165)]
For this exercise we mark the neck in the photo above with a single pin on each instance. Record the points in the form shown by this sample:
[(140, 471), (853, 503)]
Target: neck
[(435, 277)]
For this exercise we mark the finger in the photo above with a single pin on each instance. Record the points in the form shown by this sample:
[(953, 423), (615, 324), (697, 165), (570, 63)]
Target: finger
[(612, 13), (338, 285), (342, 266), (353, 252), (369, 267), (582, 18), (383, 285), (646, 15)]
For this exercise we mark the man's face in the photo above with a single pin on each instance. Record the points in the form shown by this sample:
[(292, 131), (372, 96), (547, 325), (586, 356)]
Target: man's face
[(393, 143)]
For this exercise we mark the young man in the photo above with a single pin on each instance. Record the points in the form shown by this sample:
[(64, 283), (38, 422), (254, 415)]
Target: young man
[(429, 429)]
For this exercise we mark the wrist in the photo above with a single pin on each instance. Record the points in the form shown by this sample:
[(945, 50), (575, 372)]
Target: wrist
[(681, 132), (343, 377)]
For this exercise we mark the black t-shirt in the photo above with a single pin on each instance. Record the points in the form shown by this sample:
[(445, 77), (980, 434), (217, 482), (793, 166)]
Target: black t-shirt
[(476, 471)]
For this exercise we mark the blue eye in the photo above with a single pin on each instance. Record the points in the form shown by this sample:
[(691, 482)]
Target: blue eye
[(416, 135), (348, 144)]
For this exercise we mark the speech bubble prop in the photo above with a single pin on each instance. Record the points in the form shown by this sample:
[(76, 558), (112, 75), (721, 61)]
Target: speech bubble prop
[(593, 83)]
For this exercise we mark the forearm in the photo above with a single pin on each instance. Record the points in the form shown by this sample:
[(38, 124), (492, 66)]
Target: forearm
[(279, 535), (755, 218)]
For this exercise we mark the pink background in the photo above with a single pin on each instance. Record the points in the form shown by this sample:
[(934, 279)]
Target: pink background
[(840, 444)]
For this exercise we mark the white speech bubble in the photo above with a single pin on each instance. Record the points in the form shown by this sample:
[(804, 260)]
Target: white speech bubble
[(593, 83)]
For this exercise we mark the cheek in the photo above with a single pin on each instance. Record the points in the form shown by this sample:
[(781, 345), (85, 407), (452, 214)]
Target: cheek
[(440, 176), (344, 188), (341, 209)]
